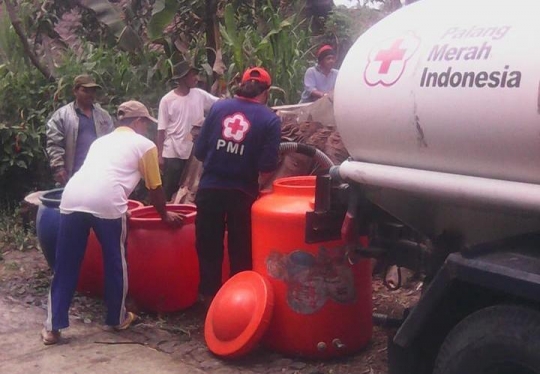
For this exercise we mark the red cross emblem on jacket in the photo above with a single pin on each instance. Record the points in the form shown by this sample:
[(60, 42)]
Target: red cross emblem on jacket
[(235, 127)]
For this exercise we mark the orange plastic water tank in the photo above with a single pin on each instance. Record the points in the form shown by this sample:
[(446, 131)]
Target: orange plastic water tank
[(322, 302), (163, 267), (91, 278), (91, 275)]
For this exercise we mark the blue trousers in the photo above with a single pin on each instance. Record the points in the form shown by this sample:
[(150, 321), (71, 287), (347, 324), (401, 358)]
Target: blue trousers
[(71, 244)]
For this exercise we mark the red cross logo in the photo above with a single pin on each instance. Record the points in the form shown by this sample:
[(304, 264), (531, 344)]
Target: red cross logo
[(388, 59), (387, 56), (235, 127)]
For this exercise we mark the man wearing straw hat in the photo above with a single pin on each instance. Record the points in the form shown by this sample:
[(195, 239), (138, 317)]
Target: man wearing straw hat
[(179, 110)]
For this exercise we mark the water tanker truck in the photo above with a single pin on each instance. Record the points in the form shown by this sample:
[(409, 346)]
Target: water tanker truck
[(439, 107)]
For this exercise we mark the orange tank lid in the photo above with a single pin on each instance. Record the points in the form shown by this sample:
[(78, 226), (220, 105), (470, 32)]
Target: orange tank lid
[(239, 315)]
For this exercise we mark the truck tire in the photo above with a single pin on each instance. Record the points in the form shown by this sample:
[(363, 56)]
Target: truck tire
[(502, 339)]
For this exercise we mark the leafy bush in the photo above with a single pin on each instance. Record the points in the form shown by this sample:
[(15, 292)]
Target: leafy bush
[(13, 234), (27, 100), (276, 42), (122, 75), (24, 106)]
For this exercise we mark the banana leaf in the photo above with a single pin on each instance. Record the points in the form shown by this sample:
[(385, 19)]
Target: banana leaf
[(107, 14), (163, 14)]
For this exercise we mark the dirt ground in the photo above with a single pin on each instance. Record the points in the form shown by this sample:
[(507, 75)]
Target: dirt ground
[(25, 277)]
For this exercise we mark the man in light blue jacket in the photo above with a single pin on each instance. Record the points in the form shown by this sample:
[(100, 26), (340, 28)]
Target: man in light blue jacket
[(319, 80), (73, 127)]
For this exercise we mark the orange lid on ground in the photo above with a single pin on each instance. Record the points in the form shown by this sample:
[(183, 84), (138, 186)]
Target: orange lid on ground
[(239, 315)]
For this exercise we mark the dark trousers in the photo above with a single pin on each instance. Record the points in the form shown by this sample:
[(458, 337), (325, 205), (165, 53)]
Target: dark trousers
[(217, 210), (172, 172), (72, 239)]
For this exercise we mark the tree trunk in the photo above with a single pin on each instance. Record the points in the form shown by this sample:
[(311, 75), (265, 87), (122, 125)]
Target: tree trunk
[(212, 31), (17, 25)]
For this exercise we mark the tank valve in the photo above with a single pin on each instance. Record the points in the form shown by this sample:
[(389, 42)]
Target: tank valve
[(338, 344), (321, 346)]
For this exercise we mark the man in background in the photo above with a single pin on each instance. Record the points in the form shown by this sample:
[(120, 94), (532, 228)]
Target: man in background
[(320, 80), (179, 110), (73, 127)]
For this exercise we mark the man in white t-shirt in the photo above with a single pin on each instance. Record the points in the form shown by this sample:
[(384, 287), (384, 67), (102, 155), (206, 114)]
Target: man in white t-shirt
[(96, 197), (179, 111)]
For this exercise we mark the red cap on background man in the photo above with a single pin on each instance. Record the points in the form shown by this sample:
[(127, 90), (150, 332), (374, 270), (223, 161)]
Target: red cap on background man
[(325, 50)]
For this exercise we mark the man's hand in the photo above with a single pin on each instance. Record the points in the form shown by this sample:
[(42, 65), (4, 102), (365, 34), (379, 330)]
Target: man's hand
[(330, 96), (265, 181), (174, 219), (195, 131), (161, 163), (61, 177)]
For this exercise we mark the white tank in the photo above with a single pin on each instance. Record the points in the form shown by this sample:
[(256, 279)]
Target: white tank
[(439, 106), (447, 85)]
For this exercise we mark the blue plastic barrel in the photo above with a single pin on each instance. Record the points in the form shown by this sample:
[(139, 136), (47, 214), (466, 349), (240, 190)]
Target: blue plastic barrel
[(47, 223)]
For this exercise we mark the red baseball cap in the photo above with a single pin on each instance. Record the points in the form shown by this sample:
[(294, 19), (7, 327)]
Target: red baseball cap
[(257, 74), (324, 51)]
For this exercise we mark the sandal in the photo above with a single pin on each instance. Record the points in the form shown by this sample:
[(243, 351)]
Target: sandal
[(128, 321), (50, 337)]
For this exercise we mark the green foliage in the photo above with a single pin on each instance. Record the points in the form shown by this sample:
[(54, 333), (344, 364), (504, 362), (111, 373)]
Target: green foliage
[(276, 42), (363, 19), (27, 100), (338, 28), (20, 147), (13, 234), (109, 15), (122, 75), (162, 15), (234, 39), (343, 26), (11, 52)]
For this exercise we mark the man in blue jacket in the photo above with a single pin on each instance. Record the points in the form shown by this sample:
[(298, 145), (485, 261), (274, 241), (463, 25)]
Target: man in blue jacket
[(320, 80), (238, 145)]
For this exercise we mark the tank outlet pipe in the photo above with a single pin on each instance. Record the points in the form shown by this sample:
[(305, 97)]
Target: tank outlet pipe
[(384, 320), (307, 150), (454, 188)]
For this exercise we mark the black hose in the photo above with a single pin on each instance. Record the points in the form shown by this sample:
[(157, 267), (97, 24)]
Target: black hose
[(307, 150)]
